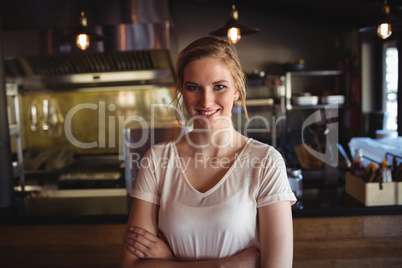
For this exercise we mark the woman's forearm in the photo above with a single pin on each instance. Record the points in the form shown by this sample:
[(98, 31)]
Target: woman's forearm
[(176, 264), (247, 258)]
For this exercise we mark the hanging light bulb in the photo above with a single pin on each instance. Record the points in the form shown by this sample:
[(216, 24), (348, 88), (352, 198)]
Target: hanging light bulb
[(234, 35), (82, 36), (384, 30), (82, 41), (233, 29)]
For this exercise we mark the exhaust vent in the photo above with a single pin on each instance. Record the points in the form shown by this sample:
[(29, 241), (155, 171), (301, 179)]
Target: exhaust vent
[(93, 69), (136, 52), (50, 65)]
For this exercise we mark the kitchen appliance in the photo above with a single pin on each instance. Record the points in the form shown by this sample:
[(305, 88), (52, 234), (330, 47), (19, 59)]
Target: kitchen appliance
[(93, 172), (305, 100), (296, 181), (138, 141), (295, 66), (72, 97), (339, 99), (136, 52)]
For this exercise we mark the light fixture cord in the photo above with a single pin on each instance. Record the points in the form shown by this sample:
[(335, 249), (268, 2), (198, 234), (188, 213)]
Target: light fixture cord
[(83, 20), (234, 14)]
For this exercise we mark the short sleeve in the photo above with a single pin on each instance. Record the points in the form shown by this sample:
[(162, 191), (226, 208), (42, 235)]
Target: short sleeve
[(146, 186), (273, 180)]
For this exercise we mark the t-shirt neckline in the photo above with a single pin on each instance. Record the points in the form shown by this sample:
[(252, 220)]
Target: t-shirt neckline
[(221, 181)]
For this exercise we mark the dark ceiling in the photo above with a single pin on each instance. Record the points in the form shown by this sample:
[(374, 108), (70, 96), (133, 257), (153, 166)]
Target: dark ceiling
[(352, 13), (34, 14)]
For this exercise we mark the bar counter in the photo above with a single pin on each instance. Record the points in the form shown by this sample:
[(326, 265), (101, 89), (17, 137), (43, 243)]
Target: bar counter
[(319, 199), (330, 229)]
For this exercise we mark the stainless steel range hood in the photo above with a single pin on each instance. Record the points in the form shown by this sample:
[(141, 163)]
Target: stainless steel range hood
[(91, 69), (136, 52)]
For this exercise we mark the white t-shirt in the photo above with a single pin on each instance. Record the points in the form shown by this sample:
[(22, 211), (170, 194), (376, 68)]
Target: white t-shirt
[(222, 221)]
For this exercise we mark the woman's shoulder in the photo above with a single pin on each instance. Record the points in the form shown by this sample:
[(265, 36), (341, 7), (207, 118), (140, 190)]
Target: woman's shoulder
[(262, 150), (259, 147), (163, 146)]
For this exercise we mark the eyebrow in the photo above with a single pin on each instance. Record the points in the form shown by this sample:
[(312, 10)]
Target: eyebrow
[(220, 82), (189, 82), (215, 83)]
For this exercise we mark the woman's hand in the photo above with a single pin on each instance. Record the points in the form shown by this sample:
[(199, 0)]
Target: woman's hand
[(145, 245), (248, 258)]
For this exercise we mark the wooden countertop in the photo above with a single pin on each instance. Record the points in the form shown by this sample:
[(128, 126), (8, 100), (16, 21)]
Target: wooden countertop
[(319, 200)]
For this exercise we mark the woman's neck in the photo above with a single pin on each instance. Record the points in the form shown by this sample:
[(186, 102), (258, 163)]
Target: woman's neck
[(215, 142)]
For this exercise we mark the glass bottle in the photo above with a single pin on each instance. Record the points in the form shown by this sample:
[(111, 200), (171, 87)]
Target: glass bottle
[(394, 167), (357, 163), (386, 171)]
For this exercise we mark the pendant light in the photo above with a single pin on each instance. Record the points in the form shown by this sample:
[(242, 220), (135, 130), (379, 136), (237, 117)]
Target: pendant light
[(384, 29), (233, 28), (82, 37)]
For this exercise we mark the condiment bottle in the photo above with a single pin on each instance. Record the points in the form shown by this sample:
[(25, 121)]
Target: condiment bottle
[(386, 171), (394, 167), (357, 163), (370, 172)]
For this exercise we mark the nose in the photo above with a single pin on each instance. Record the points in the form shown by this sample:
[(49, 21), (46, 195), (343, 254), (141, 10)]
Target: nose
[(206, 98)]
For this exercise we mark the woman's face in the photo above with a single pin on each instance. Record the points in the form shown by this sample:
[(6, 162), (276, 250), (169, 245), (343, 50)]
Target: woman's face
[(209, 92)]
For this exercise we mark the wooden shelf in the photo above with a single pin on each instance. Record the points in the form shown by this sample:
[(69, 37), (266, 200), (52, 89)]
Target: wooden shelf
[(317, 73), (257, 102), (318, 106)]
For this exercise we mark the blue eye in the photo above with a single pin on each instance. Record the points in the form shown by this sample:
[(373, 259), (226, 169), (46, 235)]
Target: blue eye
[(192, 88), (219, 87)]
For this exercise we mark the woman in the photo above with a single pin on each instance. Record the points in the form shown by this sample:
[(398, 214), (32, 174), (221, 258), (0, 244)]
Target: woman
[(215, 197)]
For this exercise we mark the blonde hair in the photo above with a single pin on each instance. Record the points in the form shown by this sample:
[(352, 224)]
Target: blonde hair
[(212, 47)]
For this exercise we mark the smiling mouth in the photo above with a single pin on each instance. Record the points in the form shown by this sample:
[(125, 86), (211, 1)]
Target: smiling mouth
[(208, 112)]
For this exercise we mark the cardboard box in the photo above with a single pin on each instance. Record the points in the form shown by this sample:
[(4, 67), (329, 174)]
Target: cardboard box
[(370, 194), (399, 192)]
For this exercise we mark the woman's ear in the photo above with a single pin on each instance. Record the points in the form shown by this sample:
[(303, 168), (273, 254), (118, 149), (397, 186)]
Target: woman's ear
[(236, 95)]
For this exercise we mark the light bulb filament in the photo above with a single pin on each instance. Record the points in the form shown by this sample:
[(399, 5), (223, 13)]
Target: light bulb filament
[(83, 41), (384, 30), (234, 35)]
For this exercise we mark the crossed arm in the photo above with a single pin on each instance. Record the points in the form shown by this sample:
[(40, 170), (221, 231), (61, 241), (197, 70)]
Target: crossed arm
[(143, 248)]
